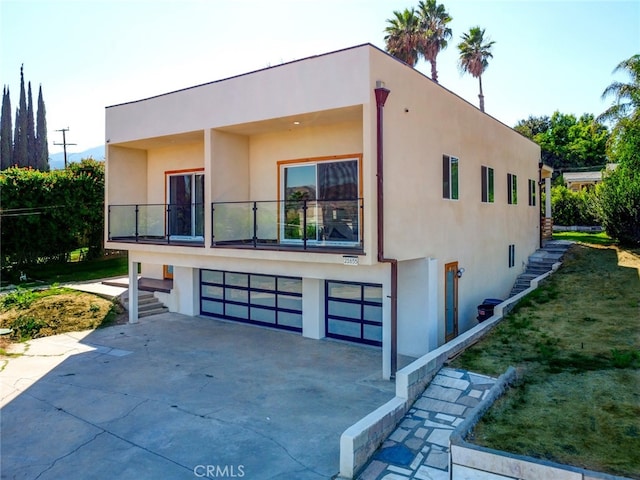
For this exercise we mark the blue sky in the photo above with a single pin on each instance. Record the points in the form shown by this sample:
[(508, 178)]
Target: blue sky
[(87, 54)]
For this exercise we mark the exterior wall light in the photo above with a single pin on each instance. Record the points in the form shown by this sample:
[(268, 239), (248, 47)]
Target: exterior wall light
[(460, 272)]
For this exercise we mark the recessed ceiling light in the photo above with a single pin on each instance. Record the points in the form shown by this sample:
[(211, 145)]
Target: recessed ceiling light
[(296, 123)]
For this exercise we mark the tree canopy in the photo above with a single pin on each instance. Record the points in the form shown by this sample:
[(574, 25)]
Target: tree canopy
[(24, 145), (567, 142), (402, 36), (434, 32), (412, 34), (475, 52), (618, 197), (626, 94)]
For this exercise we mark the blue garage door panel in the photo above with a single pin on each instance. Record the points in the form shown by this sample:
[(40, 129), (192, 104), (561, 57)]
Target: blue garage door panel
[(252, 298), (353, 311)]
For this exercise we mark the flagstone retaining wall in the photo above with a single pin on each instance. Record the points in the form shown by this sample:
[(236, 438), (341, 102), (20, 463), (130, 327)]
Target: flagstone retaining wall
[(359, 442)]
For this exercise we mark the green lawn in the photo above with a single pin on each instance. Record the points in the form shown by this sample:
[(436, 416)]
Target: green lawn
[(78, 271), (575, 342), (583, 237)]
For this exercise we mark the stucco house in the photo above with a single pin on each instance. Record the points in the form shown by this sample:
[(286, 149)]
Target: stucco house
[(344, 196)]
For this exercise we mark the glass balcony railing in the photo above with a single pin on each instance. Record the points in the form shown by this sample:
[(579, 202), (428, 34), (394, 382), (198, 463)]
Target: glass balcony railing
[(181, 224), (288, 224), (319, 225)]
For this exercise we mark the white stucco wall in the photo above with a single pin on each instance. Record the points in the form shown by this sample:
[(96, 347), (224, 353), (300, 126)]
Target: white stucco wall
[(419, 223), (172, 159), (336, 80), (417, 306), (297, 144)]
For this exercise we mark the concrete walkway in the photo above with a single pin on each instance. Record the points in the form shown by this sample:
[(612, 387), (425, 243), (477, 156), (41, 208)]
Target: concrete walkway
[(419, 446)]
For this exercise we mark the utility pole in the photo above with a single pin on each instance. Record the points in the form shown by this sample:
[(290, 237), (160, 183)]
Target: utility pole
[(64, 144)]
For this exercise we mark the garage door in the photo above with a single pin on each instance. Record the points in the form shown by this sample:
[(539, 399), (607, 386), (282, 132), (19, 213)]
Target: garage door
[(252, 298), (353, 311)]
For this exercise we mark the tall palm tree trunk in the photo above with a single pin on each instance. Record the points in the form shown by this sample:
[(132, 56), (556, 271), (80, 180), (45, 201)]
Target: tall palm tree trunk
[(434, 71), (480, 95)]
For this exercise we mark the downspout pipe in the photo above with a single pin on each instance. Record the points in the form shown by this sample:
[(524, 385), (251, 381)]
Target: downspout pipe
[(381, 97), (540, 220)]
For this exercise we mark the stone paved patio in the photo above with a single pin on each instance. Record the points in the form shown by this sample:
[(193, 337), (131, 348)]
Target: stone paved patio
[(419, 446)]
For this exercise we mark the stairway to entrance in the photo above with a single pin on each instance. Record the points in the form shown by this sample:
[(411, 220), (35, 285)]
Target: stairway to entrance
[(148, 304), (540, 262)]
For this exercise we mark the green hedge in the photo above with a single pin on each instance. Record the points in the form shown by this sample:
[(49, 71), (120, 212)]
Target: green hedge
[(46, 215), (619, 204), (573, 208)]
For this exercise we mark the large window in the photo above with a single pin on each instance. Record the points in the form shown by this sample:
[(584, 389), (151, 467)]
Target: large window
[(449, 177), (512, 189), (487, 184), (321, 201), (185, 211)]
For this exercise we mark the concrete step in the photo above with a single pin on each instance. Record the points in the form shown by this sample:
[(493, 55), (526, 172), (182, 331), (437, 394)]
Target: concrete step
[(148, 304), (142, 301), (155, 311), (540, 262)]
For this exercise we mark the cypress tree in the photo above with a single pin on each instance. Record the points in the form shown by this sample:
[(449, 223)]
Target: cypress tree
[(16, 140), (31, 132), (6, 131), (20, 155), (42, 144)]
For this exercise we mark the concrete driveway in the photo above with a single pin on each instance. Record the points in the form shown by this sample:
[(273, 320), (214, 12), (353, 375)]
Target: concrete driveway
[(177, 397)]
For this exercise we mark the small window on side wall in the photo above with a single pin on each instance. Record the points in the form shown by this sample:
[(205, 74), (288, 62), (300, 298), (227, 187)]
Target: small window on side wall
[(449, 177), (512, 255), (487, 184), (512, 189), (532, 193)]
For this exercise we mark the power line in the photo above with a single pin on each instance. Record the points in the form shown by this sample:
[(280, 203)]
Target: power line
[(25, 211)]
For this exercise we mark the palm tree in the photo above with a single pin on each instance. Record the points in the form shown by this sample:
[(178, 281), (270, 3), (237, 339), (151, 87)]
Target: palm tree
[(402, 36), (626, 95), (434, 32), (475, 53)]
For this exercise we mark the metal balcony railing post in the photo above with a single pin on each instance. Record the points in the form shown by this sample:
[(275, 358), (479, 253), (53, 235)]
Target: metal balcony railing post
[(255, 224), (304, 224), (137, 221), (360, 219), (168, 223), (213, 236)]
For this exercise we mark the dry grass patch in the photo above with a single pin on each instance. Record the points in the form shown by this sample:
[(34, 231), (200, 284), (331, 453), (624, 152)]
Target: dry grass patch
[(34, 314), (576, 343)]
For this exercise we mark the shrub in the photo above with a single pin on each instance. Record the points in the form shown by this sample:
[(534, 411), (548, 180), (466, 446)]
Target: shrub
[(46, 215), (26, 328), (573, 208), (618, 204), (20, 298)]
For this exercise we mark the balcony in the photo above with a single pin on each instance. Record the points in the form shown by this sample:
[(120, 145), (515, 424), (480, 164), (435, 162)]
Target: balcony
[(309, 225), (159, 224)]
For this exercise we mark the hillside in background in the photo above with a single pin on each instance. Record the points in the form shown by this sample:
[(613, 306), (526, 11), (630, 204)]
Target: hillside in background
[(56, 161)]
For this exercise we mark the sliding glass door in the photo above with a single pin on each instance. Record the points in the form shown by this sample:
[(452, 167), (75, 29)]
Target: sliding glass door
[(186, 206), (321, 202)]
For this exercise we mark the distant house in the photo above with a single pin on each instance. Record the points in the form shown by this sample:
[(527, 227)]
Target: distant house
[(343, 196), (577, 181)]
